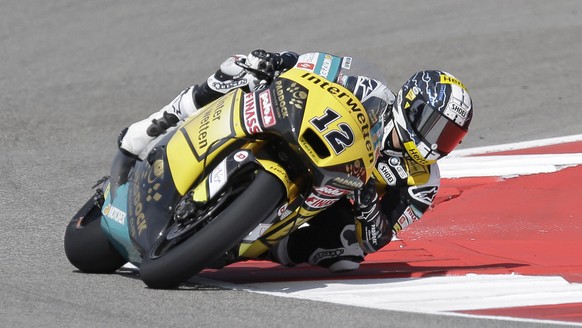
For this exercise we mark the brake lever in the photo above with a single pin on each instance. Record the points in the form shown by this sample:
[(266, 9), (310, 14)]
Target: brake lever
[(261, 75)]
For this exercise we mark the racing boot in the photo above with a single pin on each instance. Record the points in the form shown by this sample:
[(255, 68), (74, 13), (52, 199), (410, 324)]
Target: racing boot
[(329, 241), (346, 257), (135, 139)]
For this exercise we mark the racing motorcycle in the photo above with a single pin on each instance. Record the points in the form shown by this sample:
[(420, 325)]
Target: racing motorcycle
[(235, 178)]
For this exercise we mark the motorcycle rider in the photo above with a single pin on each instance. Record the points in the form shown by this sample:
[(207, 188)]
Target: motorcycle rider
[(425, 121)]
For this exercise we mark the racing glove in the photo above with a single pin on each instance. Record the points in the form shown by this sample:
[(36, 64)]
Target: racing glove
[(372, 226), (250, 72), (264, 66), (265, 63), (230, 75)]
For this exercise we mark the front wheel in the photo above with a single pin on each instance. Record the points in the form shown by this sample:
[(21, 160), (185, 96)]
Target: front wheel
[(192, 255)]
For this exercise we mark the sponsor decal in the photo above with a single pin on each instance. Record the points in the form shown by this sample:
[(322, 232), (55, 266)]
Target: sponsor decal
[(282, 210), (365, 87), (325, 66), (347, 62), (442, 93), (310, 57), (217, 178), (157, 169), (402, 223), (457, 110), (250, 114), (202, 131), (231, 84), (401, 172), (370, 231), (198, 129), (396, 163), (356, 169), (447, 79), (331, 191), (283, 88), (387, 174), (324, 254), (315, 201), (267, 113), (307, 66), (140, 219), (114, 214), (405, 219), (424, 195), (298, 96), (456, 113), (241, 156), (349, 184), (153, 193), (280, 96), (415, 154), (411, 217)]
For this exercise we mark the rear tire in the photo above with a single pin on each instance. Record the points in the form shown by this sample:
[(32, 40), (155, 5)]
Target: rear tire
[(87, 246), (226, 230)]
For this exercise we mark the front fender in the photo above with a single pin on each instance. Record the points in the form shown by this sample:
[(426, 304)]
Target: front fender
[(238, 161)]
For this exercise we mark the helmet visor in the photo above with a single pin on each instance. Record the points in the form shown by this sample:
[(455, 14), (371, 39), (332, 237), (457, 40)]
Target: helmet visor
[(437, 130)]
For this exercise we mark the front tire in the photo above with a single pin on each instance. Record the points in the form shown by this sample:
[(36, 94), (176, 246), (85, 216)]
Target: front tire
[(227, 229), (87, 246)]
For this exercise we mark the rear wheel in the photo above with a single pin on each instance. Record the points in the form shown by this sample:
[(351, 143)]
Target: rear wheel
[(87, 246), (178, 255)]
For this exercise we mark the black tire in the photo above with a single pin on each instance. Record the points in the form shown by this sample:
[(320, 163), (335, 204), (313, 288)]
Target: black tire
[(87, 246), (228, 228)]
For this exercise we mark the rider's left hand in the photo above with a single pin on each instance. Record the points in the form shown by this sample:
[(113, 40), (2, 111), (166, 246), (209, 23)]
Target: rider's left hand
[(264, 62), (367, 195)]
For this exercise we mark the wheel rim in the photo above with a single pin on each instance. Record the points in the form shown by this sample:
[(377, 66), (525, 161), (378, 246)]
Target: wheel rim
[(176, 232)]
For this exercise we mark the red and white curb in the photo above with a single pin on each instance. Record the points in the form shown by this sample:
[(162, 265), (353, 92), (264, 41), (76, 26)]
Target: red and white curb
[(429, 295), (518, 278)]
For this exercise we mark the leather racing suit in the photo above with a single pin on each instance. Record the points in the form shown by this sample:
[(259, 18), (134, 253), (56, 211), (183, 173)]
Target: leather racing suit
[(398, 194)]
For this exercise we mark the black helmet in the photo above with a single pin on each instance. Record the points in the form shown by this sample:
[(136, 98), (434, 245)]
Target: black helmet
[(432, 114)]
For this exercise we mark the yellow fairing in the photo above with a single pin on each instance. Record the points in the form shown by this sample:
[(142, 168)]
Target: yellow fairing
[(188, 148), (253, 248), (323, 97), (277, 170), (347, 111)]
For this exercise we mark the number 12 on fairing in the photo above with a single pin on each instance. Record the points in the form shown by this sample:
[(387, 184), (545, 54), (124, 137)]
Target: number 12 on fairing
[(338, 139)]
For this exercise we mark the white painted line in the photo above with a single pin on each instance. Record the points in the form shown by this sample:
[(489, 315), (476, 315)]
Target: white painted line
[(432, 294), (515, 146), (506, 165)]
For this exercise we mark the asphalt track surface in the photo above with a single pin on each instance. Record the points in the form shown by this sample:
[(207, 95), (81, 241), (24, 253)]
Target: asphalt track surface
[(73, 74)]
